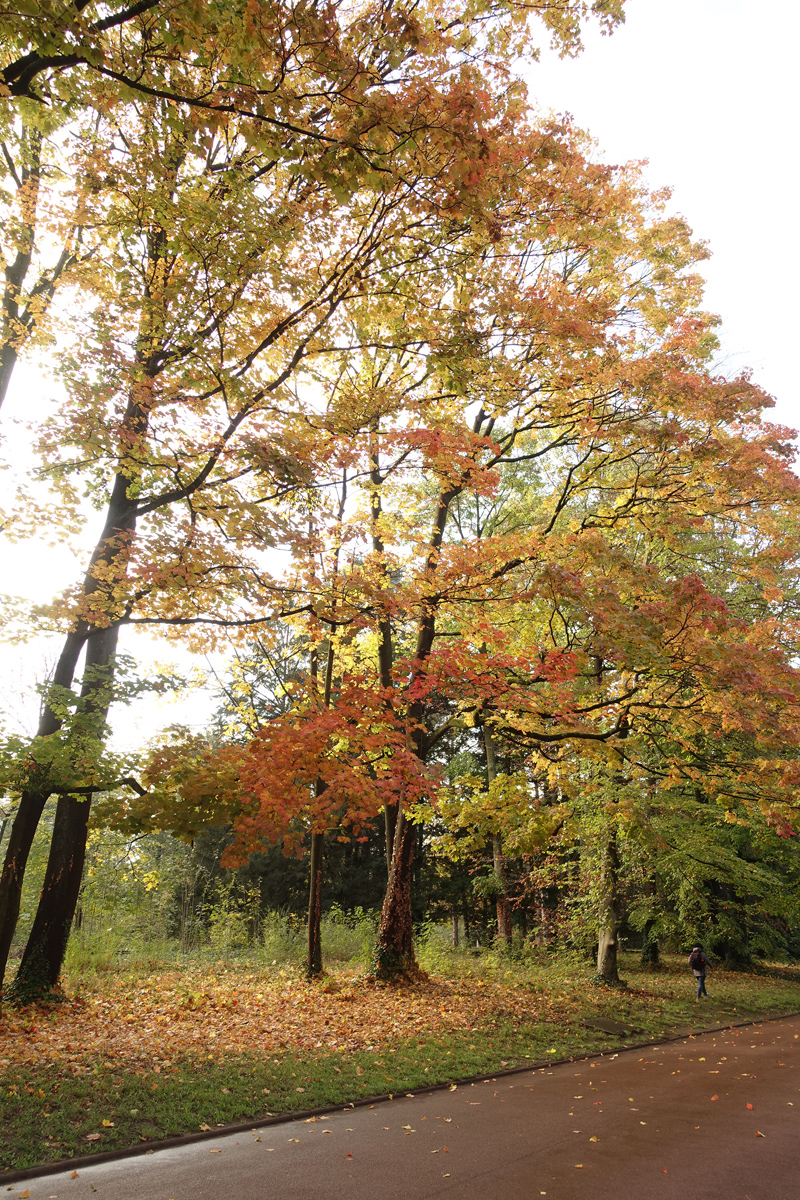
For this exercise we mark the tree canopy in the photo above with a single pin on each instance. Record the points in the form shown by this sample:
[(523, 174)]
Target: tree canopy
[(321, 283)]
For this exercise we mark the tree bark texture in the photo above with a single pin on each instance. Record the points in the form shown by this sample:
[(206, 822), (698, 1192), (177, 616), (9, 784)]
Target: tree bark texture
[(43, 957), (608, 911), (314, 959), (394, 950), (390, 824), (31, 806), (44, 953), (504, 930)]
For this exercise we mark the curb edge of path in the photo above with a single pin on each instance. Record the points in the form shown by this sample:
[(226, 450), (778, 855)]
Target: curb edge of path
[(186, 1139)]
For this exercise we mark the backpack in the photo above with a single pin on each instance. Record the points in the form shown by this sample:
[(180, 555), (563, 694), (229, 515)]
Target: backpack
[(696, 960)]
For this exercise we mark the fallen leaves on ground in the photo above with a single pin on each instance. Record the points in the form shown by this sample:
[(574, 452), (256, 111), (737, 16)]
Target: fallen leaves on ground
[(177, 1016), (156, 1021)]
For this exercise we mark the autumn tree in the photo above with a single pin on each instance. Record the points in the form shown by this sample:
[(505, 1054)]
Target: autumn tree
[(573, 630), (176, 301), (318, 88), (231, 238), (708, 715), (54, 52), (570, 339), (42, 242), (417, 283)]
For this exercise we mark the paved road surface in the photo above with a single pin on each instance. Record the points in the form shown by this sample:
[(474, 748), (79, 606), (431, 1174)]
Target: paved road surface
[(715, 1116)]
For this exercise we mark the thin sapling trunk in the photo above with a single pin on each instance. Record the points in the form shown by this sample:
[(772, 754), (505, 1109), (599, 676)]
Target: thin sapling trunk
[(504, 929)]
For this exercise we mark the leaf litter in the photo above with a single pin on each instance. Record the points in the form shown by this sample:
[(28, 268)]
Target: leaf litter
[(183, 1015)]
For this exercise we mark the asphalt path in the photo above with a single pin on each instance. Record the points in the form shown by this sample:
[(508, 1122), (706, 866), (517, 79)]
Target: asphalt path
[(714, 1115)]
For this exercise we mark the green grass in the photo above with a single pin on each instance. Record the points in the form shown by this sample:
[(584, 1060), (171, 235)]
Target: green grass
[(46, 1116), (220, 1093)]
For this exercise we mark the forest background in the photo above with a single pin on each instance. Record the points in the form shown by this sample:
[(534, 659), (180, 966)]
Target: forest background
[(530, 668)]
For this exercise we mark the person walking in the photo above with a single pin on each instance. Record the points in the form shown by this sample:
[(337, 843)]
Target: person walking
[(699, 962)]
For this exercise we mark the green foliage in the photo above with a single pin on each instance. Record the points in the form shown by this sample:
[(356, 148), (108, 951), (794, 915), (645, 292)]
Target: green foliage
[(150, 899), (76, 755), (231, 918)]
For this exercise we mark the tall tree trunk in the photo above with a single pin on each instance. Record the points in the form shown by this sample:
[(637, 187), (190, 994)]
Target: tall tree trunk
[(504, 927), (314, 957), (504, 931), (48, 938), (389, 825), (454, 916), (23, 831), (385, 645), (314, 960), (32, 802), (42, 960), (608, 910), (43, 957), (394, 949), (107, 568)]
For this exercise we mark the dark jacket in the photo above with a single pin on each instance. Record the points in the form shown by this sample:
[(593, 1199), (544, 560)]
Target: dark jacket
[(704, 966)]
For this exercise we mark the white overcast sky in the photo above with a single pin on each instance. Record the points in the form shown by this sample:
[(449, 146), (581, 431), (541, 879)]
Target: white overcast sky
[(708, 91)]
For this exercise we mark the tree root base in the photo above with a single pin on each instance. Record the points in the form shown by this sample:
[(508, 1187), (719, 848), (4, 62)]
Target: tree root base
[(398, 970), (617, 984), (21, 997)]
